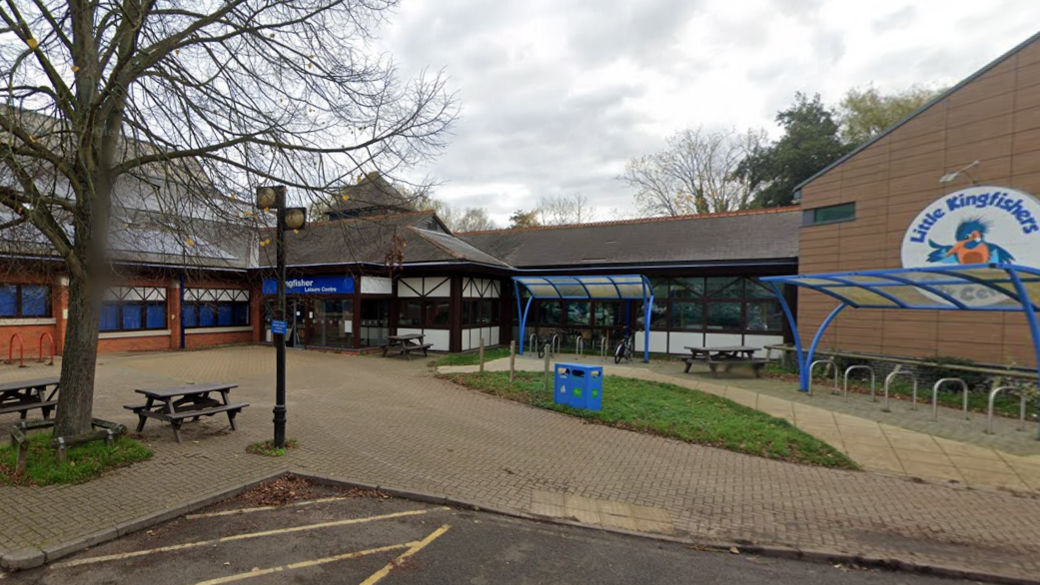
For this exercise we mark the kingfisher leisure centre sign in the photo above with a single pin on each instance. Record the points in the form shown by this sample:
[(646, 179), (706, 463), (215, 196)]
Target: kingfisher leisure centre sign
[(977, 225), (312, 285)]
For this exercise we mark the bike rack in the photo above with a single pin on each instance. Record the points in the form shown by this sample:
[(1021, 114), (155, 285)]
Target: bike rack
[(533, 342), (579, 345), (873, 380), (935, 397), (21, 350), (888, 381), (50, 338), (818, 362), (555, 344), (603, 348), (1021, 413)]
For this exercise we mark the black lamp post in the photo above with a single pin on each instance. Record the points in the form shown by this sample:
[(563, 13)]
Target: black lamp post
[(293, 218)]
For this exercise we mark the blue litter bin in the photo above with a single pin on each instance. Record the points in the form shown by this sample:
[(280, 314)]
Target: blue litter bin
[(578, 386)]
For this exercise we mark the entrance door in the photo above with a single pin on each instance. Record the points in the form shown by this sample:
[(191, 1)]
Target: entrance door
[(332, 324), (375, 322)]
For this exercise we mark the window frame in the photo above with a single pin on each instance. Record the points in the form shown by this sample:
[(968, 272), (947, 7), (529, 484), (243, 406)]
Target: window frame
[(120, 308), (215, 307), (809, 216), (19, 298)]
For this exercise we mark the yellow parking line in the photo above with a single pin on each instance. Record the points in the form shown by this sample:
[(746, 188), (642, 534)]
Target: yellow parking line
[(342, 557), (261, 508), (174, 547), (414, 548)]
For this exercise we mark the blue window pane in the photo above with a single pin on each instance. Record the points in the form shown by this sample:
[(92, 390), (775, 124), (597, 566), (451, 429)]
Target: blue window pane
[(132, 316), (224, 314), (155, 316), (34, 301), (207, 316), (9, 300), (241, 313), (109, 317), (190, 315)]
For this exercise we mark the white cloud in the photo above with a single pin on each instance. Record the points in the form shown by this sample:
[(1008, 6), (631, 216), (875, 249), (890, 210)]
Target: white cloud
[(558, 95)]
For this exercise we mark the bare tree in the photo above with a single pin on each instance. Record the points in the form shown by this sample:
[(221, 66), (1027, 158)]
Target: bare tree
[(469, 219), (473, 219), (695, 173), (203, 101), (565, 209)]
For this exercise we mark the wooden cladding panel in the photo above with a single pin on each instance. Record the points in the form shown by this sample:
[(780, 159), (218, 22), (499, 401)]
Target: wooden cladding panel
[(994, 119)]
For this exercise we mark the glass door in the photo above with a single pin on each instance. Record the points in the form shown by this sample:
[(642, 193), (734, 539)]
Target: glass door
[(375, 322), (332, 324)]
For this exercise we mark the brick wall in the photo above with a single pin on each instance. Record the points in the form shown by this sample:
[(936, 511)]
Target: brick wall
[(994, 119)]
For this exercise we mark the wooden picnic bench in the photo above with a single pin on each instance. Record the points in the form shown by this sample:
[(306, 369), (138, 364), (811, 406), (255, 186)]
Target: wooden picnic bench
[(406, 344), (726, 358), (756, 365), (176, 403), (26, 395)]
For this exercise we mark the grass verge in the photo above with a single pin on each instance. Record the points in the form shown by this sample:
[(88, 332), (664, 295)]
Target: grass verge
[(84, 462), (674, 412), (471, 359), (267, 448)]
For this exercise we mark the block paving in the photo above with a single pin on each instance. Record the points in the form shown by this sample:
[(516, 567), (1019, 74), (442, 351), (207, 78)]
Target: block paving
[(392, 422)]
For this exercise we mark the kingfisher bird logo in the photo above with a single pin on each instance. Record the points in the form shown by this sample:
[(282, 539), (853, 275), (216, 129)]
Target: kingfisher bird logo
[(972, 246)]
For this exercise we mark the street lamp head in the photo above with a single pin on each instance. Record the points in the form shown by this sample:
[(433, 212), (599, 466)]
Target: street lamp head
[(295, 218), (270, 197)]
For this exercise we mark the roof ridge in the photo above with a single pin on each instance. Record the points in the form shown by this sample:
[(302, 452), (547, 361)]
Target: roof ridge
[(365, 218), (738, 213)]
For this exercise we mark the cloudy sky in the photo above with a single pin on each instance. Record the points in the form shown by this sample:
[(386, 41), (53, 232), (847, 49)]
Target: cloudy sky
[(557, 95)]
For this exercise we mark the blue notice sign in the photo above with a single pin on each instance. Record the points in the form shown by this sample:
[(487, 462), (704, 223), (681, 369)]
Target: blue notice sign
[(278, 327), (312, 285)]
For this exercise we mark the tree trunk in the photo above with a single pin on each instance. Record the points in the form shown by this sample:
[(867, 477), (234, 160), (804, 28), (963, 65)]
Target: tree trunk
[(79, 360)]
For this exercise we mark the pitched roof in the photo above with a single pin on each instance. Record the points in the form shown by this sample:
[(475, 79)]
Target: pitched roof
[(371, 192), (921, 110), (370, 239), (765, 234)]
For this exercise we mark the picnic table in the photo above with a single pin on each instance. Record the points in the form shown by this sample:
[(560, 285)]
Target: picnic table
[(726, 358), (26, 395), (174, 404), (406, 344)]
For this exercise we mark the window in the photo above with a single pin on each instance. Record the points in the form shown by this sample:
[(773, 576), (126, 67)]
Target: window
[(215, 307), (133, 309), (765, 316), (479, 312), (725, 317), (25, 300), (550, 312), (829, 214), (438, 313), (688, 316), (410, 314), (578, 313)]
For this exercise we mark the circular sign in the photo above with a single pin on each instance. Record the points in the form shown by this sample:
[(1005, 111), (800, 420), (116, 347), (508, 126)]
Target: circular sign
[(977, 225)]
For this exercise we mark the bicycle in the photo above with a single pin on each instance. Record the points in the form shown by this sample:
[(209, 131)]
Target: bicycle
[(550, 341), (625, 348)]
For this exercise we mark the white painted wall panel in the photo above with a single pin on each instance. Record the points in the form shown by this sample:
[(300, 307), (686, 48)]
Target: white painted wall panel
[(679, 341), (440, 338), (761, 341)]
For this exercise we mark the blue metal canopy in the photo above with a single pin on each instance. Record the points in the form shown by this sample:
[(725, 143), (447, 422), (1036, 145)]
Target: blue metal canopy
[(591, 288), (977, 287)]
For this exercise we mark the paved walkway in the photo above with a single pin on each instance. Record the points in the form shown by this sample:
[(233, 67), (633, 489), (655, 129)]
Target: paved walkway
[(390, 422), (880, 443)]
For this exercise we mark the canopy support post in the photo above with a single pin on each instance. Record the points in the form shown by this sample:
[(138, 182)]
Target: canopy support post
[(522, 313), (803, 369), (790, 323), (1031, 318), (647, 307)]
